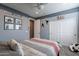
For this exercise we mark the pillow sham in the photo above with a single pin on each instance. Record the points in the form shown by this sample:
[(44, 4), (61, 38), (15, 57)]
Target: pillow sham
[(15, 46)]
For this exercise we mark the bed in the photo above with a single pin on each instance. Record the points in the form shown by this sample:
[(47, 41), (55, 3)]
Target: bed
[(46, 49), (60, 50), (28, 51), (31, 48)]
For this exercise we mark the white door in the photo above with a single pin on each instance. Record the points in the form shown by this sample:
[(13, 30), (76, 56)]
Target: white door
[(37, 29), (55, 29), (69, 31), (64, 31)]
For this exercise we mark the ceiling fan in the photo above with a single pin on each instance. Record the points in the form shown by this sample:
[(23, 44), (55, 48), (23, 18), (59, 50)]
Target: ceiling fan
[(39, 6)]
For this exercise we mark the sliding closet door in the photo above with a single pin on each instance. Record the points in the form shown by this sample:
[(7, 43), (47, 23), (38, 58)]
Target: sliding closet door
[(64, 31), (69, 31), (55, 28)]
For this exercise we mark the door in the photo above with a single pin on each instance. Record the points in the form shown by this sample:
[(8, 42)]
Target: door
[(37, 28), (64, 31), (31, 28), (69, 31), (55, 29)]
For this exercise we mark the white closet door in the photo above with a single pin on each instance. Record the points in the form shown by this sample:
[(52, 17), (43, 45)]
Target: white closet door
[(64, 31), (69, 31), (37, 29), (54, 30)]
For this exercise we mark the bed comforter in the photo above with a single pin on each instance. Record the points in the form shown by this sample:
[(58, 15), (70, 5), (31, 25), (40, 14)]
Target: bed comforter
[(48, 42), (46, 49)]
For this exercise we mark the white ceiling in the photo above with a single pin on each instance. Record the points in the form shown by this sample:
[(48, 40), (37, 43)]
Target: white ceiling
[(49, 8)]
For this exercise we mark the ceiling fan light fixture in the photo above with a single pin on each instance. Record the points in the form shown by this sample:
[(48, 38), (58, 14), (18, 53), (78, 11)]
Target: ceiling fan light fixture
[(38, 7), (36, 12), (41, 6)]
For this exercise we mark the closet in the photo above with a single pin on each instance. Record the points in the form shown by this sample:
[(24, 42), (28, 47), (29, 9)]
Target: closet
[(64, 31)]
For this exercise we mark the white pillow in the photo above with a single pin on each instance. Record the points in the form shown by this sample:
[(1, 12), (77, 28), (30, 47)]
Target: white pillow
[(14, 45), (19, 50)]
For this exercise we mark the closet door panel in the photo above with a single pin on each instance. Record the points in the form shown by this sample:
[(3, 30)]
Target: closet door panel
[(69, 31), (55, 30), (64, 31)]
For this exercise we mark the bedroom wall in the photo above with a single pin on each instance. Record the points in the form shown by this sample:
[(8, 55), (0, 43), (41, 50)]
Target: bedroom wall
[(22, 34), (44, 32)]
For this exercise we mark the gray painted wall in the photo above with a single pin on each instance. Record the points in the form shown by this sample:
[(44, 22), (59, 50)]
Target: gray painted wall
[(44, 31), (16, 34)]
